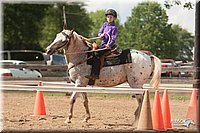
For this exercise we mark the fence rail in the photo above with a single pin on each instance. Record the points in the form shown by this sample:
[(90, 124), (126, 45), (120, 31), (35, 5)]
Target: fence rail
[(59, 73), (63, 87), (179, 69), (186, 80), (64, 67), (37, 66)]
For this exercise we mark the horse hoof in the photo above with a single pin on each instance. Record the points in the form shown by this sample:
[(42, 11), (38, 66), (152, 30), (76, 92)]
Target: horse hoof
[(85, 121), (67, 121)]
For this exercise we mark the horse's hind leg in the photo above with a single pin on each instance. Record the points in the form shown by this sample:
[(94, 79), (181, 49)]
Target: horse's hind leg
[(139, 98), (85, 102), (72, 101)]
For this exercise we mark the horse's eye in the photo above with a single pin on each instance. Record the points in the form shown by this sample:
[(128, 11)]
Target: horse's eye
[(64, 39)]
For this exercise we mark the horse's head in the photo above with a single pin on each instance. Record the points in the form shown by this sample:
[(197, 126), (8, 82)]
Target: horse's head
[(61, 41)]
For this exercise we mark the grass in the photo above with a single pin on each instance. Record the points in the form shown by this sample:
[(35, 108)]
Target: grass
[(99, 95), (119, 96), (108, 96), (182, 98), (55, 94)]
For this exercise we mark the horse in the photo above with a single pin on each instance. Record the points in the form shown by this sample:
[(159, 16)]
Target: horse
[(135, 74)]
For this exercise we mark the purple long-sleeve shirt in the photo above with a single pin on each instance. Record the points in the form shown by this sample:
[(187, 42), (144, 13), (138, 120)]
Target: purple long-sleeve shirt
[(112, 30)]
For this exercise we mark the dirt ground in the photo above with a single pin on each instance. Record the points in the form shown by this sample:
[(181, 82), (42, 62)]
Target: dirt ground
[(108, 113)]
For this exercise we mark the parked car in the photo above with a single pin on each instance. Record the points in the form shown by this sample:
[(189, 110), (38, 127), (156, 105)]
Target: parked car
[(14, 72), (57, 65), (55, 59), (189, 65), (12, 62), (170, 63), (17, 72), (29, 56)]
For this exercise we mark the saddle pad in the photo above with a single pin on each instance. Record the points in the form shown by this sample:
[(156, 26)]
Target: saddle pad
[(123, 58)]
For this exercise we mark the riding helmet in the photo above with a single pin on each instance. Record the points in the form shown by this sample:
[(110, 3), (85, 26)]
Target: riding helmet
[(111, 12)]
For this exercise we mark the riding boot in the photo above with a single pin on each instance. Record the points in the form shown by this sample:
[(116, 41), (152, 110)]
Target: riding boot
[(95, 68), (96, 65)]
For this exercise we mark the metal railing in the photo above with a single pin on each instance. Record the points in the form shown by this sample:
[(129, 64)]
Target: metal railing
[(59, 73)]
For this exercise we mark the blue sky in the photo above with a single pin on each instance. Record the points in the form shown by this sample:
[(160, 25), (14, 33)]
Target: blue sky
[(177, 14)]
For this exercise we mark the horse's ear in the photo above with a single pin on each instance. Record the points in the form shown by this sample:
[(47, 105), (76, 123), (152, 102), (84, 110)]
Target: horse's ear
[(64, 17), (71, 32)]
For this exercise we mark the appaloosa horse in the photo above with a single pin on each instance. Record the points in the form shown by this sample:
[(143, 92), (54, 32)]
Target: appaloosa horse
[(135, 73)]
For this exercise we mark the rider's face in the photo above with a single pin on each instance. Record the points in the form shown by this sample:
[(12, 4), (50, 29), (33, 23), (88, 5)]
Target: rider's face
[(110, 18)]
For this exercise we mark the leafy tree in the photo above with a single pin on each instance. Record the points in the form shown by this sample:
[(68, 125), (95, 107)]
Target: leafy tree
[(52, 23), (21, 25), (147, 28), (98, 18), (33, 26), (78, 18), (185, 42), (169, 3)]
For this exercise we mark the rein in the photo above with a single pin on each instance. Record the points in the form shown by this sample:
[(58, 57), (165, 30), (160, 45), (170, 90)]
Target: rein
[(88, 40), (79, 63), (90, 51), (94, 38), (85, 59)]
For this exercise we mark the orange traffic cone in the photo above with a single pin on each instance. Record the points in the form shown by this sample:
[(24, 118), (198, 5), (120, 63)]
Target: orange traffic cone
[(39, 108), (166, 111), (145, 119), (192, 108), (157, 113)]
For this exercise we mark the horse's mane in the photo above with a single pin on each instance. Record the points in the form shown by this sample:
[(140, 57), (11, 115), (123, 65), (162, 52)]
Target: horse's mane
[(76, 35)]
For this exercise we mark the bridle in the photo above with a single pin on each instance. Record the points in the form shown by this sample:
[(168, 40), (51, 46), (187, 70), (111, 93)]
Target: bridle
[(68, 39), (67, 42)]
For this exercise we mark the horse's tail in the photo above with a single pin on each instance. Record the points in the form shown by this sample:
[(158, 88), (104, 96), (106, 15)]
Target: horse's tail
[(155, 81)]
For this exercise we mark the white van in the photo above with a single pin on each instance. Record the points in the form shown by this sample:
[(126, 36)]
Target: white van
[(29, 56)]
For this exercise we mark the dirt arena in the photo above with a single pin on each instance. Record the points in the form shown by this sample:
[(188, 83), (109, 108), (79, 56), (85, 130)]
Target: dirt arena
[(108, 112)]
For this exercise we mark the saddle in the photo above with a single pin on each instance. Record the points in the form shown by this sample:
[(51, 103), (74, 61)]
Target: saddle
[(104, 58), (113, 58)]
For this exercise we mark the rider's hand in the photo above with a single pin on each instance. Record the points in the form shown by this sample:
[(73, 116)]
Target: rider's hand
[(94, 45), (102, 35), (107, 46)]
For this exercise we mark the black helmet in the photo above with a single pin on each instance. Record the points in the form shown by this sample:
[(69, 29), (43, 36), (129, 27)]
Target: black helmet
[(111, 12)]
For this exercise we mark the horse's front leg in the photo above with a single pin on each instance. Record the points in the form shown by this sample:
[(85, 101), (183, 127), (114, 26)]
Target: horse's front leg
[(85, 103), (72, 101)]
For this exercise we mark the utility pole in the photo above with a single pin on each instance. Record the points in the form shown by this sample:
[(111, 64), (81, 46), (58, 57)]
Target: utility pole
[(197, 58)]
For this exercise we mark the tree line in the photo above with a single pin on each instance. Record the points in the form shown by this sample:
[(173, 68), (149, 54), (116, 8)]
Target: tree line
[(34, 26)]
